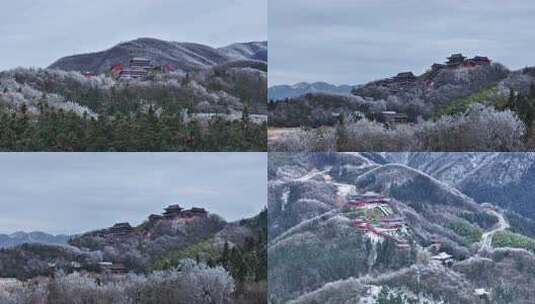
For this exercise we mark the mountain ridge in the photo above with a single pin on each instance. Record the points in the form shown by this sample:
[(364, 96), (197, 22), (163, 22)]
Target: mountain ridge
[(279, 92), (34, 237), (182, 56)]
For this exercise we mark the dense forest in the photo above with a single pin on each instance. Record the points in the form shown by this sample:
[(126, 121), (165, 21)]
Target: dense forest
[(66, 131)]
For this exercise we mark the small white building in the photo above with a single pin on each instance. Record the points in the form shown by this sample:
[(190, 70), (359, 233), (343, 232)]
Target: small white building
[(444, 258)]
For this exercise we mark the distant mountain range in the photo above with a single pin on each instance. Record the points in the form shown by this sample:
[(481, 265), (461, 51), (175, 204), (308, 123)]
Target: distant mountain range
[(279, 92), (19, 238), (182, 56)]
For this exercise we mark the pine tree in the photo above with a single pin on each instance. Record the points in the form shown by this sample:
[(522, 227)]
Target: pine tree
[(342, 139)]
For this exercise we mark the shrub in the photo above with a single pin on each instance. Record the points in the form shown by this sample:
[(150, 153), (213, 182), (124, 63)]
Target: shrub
[(480, 128), (510, 239)]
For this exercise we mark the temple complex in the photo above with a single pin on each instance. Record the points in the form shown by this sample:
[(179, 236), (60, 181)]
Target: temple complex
[(137, 68), (458, 60), (176, 212)]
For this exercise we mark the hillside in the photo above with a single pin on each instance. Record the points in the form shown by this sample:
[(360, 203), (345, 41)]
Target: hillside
[(279, 92), (437, 92), (184, 57), (157, 243), (500, 178), (183, 256), (219, 107), (318, 109), (350, 227)]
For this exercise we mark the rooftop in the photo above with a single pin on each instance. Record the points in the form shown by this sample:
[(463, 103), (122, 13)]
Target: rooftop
[(442, 256), (175, 206), (122, 225), (480, 291)]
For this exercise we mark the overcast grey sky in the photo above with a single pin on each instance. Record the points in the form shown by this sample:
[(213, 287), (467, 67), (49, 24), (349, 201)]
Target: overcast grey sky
[(78, 192), (37, 32), (356, 41)]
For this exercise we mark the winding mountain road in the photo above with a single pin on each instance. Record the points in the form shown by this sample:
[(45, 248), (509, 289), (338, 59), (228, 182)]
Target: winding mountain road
[(486, 238)]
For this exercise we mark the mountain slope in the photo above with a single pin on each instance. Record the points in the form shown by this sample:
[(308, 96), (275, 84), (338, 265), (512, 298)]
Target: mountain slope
[(256, 50), (185, 57), (155, 244), (503, 179), (319, 253), (433, 91), (430, 95)]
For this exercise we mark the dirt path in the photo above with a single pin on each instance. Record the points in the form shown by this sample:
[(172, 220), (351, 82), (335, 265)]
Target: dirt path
[(312, 174), (486, 238)]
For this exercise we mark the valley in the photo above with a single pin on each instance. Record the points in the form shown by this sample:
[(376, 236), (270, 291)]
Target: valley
[(364, 228)]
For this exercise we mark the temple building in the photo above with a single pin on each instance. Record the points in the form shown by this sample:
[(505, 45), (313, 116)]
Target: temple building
[(194, 212), (133, 73), (121, 228), (405, 77), (138, 68), (155, 217), (437, 66), (392, 118), (444, 258), (111, 268), (481, 60), (455, 60), (140, 63), (173, 211), (476, 61), (482, 294), (118, 269), (115, 70)]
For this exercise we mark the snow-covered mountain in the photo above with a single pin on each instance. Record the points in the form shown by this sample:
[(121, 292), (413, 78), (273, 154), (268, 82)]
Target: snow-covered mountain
[(320, 252), (279, 92), (503, 179), (182, 56)]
